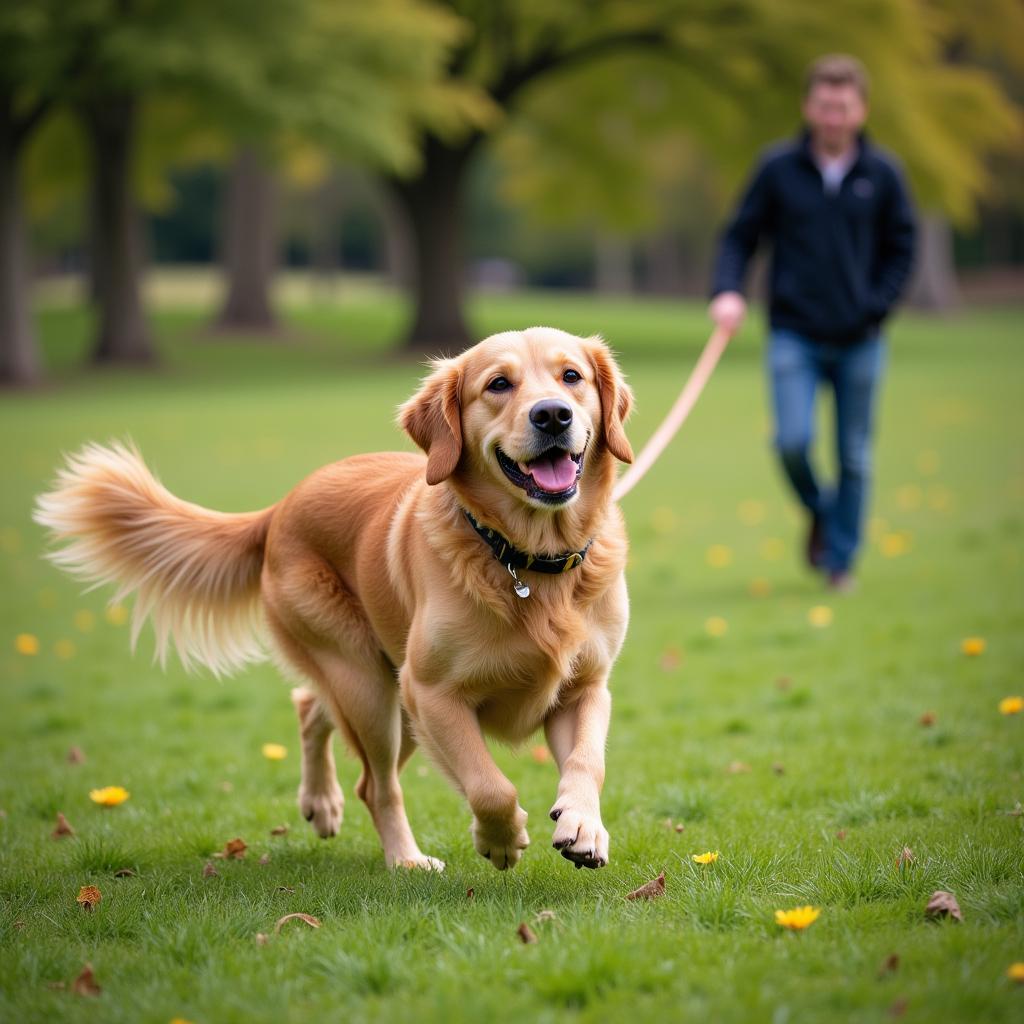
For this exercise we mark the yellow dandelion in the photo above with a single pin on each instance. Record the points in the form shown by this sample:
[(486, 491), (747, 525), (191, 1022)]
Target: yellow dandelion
[(719, 556), (274, 751), (1011, 705), (820, 616), (798, 918), (663, 520), (772, 548), (759, 587), (26, 643), (85, 621), (64, 649), (1015, 972), (109, 796), (116, 614), (705, 858), (894, 544), (716, 626), (972, 646), (750, 512)]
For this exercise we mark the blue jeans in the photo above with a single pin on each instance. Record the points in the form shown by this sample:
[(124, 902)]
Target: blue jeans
[(797, 366)]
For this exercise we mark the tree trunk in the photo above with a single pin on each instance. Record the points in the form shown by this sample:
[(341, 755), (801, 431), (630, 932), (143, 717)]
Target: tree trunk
[(433, 206), (613, 266), (934, 284), (663, 264), (325, 215), (19, 358), (123, 336), (249, 245)]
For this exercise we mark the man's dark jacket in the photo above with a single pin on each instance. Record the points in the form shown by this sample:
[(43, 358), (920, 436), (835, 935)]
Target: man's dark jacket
[(840, 260)]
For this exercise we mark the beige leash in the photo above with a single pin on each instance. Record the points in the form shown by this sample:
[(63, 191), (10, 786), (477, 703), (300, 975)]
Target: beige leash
[(687, 399)]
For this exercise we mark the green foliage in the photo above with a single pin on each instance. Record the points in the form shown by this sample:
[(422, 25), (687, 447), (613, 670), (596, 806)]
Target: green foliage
[(604, 140)]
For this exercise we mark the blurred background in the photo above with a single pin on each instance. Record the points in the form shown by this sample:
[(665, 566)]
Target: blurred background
[(248, 160)]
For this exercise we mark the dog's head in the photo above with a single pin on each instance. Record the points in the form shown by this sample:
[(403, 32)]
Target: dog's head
[(533, 413)]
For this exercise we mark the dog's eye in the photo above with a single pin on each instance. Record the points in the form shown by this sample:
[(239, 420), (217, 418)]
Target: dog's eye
[(499, 384), (572, 377)]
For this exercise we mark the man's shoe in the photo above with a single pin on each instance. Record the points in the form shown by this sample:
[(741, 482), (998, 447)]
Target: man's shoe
[(842, 581), (816, 543)]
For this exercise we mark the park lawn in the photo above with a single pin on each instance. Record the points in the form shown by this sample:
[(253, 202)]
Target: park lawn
[(795, 750)]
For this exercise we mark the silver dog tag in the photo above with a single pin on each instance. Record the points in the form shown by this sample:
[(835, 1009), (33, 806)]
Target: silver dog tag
[(521, 589)]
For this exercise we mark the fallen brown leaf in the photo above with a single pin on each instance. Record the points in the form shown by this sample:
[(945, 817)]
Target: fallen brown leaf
[(19, 924), (124, 873), (540, 754), (649, 890), (680, 827), (1015, 812), (63, 829), (890, 965), (88, 896), (927, 719), (285, 888), (85, 984), (905, 856), (783, 683), (841, 834), (280, 830), (76, 756), (779, 768), (209, 871), (305, 918), (944, 904), (526, 934), (264, 860), (671, 659), (234, 849), (470, 893), (262, 938), (738, 768), (898, 1008)]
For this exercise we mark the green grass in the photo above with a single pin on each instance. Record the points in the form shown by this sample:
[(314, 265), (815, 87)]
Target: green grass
[(827, 719)]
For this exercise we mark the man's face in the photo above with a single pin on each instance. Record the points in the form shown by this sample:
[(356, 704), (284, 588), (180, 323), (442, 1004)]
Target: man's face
[(834, 114)]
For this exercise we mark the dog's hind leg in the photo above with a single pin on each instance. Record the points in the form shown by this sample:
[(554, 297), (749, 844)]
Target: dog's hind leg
[(321, 800), (365, 702)]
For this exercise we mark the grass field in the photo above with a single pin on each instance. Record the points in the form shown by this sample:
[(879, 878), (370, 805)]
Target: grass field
[(794, 749)]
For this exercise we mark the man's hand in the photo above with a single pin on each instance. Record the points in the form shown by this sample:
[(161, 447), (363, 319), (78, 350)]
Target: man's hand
[(727, 310)]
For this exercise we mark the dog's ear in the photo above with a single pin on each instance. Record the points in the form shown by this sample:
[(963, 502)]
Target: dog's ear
[(433, 419), (616, 399)]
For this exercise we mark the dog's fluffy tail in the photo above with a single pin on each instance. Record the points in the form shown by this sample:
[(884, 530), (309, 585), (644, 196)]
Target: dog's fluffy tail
[(195, 573)]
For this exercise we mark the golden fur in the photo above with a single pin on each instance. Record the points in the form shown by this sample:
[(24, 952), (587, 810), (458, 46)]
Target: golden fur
[(368, 571)]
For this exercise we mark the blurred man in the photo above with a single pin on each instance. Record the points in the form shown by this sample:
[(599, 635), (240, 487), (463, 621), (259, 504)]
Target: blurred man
[(838, 215)]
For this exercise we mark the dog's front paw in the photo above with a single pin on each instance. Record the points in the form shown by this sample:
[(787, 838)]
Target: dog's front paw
[(579, 835), (323, 809), (501, 841)]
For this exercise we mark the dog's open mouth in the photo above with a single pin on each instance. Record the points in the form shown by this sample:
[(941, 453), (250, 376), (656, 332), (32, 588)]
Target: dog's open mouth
[(552, 476)]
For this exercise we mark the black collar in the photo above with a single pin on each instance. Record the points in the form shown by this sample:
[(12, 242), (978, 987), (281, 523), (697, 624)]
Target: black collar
[(512, 558)]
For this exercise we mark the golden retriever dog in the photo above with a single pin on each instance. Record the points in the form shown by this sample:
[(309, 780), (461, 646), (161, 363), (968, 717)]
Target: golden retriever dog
[(435, 601)]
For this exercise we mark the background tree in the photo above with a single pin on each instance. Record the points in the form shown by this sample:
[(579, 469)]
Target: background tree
[(591, 90), (36, 62)]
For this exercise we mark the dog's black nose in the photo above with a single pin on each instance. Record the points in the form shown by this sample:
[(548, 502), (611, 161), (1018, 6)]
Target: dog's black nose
[(552, 416)]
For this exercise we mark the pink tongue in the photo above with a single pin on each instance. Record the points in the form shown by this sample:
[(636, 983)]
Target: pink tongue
[(553, 473)]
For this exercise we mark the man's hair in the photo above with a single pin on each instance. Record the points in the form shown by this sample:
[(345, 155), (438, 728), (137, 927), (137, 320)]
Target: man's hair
[(837, 69)]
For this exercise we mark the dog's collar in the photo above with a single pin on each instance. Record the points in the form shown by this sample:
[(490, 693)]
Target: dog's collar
[(512, 558)]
